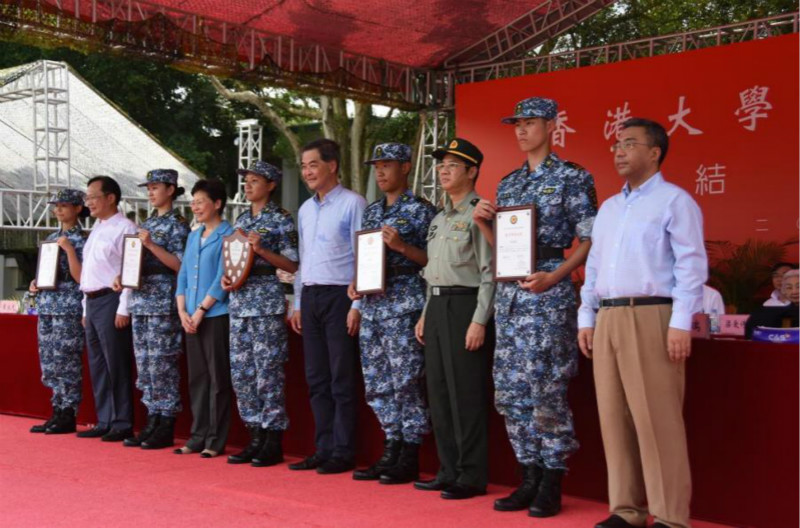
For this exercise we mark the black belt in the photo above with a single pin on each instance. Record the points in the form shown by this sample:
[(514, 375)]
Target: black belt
[(262, 271), (546, 252), (452, 290), (395, 271), (98, 293), (634, 301)]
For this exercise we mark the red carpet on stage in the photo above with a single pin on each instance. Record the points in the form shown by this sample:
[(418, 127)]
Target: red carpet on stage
[(65, 481)]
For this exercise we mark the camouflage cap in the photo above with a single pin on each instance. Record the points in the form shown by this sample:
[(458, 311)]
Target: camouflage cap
[(71, 196), (390, 152), (533, 107), (263, 169), (161, 176)]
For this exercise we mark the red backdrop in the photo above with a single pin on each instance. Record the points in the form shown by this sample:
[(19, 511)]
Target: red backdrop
[(742, 168)]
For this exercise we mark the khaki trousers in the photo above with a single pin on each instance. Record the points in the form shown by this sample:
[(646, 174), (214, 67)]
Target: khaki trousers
[(640, 402)]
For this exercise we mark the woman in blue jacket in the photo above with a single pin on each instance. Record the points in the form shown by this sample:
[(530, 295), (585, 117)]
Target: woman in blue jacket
[(203, 309)]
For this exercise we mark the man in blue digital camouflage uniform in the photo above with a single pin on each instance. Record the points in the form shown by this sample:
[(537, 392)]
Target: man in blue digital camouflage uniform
[(259, 340), (157, 332), (536, 353), (391, 358), (60, 331)]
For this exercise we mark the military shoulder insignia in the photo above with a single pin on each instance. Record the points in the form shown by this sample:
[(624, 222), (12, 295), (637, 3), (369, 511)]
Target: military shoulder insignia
[(593, 196), (573, 165), (182, 219)]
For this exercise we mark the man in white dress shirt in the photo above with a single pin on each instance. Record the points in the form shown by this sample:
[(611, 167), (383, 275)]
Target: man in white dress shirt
[(644, 282), (106, 319)]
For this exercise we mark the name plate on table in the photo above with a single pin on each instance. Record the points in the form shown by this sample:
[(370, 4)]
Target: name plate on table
[(370, 262), (701, 326), (47, 266), (132, 258), (237, 258), (732, 325), (9, 307), (514, 243)]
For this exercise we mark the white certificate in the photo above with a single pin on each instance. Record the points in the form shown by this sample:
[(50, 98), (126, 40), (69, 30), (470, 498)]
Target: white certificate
[(47, 269), (370, 261), (514, 243), (132, 254)]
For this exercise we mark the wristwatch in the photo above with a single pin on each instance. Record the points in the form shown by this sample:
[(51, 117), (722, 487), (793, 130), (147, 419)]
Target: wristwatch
[(201, 307)]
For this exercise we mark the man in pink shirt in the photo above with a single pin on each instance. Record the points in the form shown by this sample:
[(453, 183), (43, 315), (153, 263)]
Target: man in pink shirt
[(105, 313)]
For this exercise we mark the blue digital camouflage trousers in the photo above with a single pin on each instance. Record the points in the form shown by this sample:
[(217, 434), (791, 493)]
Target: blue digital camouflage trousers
[(61, 341), (157, 348), (392, 362), (535, 357), (259, 350)]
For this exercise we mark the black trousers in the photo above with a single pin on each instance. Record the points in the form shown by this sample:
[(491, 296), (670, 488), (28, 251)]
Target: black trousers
[(458, 389), (110, 362), (208, 358), (330, 363)]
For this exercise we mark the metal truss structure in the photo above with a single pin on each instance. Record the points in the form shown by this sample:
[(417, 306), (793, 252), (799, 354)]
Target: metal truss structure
[(435, 131), (249, 150), (547, 20), (637, 49), (197, 43)]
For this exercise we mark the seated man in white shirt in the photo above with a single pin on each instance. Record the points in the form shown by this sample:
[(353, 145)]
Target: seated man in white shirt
[(712, 301), (105, 313), (778, 271)]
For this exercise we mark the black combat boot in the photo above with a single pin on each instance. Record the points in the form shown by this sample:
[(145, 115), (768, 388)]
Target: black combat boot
[(144, 434), (257, 436), (163, 436), (523, 496), (391, 453), (40, 428), (64, 422), (548, 500), (271, 453), (407, 468)]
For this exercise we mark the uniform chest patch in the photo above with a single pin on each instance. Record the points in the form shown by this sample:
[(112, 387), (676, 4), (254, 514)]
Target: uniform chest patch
[(548, 190), (459, 226)]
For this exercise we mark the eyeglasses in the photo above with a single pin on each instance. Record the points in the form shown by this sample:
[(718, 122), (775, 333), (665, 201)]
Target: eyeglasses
[(93, 197), (199, 203), (626, 146), (449, 166)]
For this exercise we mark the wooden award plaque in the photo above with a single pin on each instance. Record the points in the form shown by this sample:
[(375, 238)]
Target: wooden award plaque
[(237, 258)]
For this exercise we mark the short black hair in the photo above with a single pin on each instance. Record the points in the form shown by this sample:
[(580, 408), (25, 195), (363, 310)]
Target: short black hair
[(108, 185), (214, 189), (328, 149), (655, 132), (780, 265)]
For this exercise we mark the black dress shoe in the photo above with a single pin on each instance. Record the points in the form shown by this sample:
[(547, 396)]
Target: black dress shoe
[(462, 491), (615, 521), (94, 432), (432, 485), (117, 435), (63, 424), (312, 462), (336, 465)]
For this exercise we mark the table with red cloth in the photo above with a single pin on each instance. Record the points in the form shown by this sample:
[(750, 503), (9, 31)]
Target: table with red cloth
[(741, 418)]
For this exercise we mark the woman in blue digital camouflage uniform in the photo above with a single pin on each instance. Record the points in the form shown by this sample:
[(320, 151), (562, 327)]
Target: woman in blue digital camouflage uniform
[(259, 341), (59, 329), (157, 335)]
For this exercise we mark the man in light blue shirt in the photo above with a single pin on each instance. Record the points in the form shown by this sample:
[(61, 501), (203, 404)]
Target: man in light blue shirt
[(324, 314), (644, 281)]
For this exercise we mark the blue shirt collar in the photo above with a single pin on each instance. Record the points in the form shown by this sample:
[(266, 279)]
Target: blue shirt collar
[(331, 196), (651, 183)]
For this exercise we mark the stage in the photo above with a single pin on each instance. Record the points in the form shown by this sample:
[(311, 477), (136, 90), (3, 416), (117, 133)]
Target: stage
[(741, 417), (67, 481)]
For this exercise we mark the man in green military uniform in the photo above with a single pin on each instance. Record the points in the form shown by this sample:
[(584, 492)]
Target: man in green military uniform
[(453, 328)]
